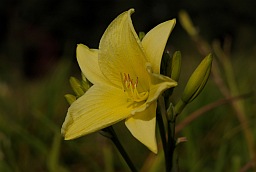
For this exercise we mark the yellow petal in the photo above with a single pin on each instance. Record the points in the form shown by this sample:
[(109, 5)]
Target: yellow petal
[(155, 41), (159, 83), (142, 126), (120, 51), (88, 62), (98, 108)]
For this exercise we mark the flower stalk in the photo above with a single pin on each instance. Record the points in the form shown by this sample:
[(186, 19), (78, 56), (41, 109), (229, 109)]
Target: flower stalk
[(120, 147)]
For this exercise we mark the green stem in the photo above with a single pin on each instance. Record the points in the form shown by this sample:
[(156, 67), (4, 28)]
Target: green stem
[(120, 148), (163, 133), (171, 141), (163, 137), (179, 107)]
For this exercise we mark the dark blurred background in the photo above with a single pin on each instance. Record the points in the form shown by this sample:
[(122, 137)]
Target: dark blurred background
[(35, 34)]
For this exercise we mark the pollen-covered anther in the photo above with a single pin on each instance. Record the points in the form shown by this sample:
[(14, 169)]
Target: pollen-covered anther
[(128, 83)]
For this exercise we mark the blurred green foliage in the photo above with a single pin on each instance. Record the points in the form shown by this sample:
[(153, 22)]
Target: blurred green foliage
[(37, 57)]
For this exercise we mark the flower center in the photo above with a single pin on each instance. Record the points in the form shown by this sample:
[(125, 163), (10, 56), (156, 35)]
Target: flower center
[(130, 88)]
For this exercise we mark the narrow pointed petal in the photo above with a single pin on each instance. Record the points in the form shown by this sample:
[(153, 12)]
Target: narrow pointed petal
[(159, 83), (120, 51), (88, 62), (98, 108), (142, 126), (155, 41)]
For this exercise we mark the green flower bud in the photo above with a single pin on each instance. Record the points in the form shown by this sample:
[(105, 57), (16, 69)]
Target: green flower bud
[(170, 66), (70, 98), (141, 35), (197, 80), (165, 64), (76, 86), (178, 108), (170, 112), (176, 65), (85, 83)]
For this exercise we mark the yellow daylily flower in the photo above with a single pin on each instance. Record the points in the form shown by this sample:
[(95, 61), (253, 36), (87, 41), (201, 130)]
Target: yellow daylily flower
[(125, 73)]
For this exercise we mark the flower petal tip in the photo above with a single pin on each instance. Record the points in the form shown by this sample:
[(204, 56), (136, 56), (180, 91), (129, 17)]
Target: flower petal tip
[(66, 136), (173, 20), (153, 148), (132, 10), (155, 151), (172, 23), (63, 133), (80, 46)]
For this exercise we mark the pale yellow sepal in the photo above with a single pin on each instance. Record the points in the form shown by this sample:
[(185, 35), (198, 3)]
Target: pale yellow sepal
[(120, 51), (142, 126), (88, 63), (154, 43), (159, 83), (98, 108)]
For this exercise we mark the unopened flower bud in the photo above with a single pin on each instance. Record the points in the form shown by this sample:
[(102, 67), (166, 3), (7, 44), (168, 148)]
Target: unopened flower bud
[(170, 112), (176, 65), (197, 80), (76, 86), (70, 98), (141, 35), (85, 83), (166, 64)]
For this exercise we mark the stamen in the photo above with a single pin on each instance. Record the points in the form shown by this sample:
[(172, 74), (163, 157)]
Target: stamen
[(137, 81), (130, 87)]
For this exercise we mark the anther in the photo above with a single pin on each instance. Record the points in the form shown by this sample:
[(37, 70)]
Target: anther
[(130, 87), (128, 83)]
